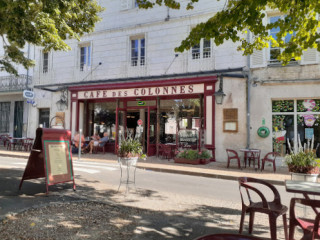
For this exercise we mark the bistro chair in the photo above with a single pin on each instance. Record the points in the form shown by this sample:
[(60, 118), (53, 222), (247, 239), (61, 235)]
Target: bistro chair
[(232, 154), (309, 226), (273, 209), (252, 156), (160, 153), (27, 144), (167, 152), (11, 144), (227, 236), (270, 157)]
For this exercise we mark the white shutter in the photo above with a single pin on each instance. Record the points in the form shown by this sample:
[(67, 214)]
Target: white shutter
[(125, 4), (258, 58), (311, 56)]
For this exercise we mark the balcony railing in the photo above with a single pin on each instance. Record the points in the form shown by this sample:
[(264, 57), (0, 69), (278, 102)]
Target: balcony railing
[(14, 83)]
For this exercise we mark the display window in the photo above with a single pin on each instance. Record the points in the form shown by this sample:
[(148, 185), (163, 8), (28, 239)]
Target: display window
[(295, 121)]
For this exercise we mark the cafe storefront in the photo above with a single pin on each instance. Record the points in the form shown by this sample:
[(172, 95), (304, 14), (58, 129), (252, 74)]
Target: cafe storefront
[(175, 111)]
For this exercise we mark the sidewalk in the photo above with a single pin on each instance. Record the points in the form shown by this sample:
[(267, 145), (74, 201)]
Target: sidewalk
[(212, 170)]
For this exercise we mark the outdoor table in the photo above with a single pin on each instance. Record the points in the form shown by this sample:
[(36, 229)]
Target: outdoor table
[(248, 152), (303, 187)]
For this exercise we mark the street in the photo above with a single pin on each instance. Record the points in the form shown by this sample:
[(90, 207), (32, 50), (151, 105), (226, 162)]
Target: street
[(199, 197)]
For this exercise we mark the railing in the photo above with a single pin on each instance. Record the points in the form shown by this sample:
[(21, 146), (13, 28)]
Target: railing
[(14, 83)]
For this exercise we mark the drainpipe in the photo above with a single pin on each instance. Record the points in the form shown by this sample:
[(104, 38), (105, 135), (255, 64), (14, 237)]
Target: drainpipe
[(247, 72)]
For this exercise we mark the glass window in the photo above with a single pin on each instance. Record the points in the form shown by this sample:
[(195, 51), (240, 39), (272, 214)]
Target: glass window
[(138, 52), (44, 115), (202, 50), (45, 62), (291, 127), (4, 117), (85, 57), (102, 118)]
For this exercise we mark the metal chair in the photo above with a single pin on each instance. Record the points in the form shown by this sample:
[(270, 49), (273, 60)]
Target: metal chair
[(27, 144), (227, 236), (270, 157), (273, 209), (309, 226), (232, 154)]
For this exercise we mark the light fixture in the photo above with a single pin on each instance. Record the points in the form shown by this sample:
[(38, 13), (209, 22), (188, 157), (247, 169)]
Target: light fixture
[(62, 104), (220, 94)]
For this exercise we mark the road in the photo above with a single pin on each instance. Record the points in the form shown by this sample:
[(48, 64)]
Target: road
[(166, 192)]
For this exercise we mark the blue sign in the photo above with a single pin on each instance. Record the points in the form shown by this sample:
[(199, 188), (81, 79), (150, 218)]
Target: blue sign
[(308, 133)]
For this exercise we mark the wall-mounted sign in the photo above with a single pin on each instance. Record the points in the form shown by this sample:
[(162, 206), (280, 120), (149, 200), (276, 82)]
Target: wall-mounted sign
[(141, 103), (28, 94)]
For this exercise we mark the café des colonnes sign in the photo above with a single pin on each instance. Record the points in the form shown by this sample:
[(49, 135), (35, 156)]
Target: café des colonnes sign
[(140, 92)]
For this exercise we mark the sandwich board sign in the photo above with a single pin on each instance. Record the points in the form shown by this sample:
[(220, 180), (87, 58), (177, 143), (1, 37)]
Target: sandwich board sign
[(50, 158)]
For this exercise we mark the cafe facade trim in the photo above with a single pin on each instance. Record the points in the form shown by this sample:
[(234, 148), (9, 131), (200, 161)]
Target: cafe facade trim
[(168, 111)]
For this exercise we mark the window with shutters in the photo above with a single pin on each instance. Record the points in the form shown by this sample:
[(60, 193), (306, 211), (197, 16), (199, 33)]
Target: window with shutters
[(138, 51), (230, 120), (201, 50), (128, 4), (274, 50)]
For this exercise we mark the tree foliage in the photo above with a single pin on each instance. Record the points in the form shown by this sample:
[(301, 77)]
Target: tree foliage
[(240, 16), (46, 23)]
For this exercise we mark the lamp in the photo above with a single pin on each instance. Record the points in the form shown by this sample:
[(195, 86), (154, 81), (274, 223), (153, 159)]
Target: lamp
[(219, 95), (62, 104)]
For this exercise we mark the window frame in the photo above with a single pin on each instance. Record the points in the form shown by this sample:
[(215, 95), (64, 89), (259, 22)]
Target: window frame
[(200, 51), (45, 62), (140, 59), (5, 117), (85, 57)]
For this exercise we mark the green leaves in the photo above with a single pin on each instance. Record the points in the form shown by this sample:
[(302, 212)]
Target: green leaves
[(232, 23), (42, 23)]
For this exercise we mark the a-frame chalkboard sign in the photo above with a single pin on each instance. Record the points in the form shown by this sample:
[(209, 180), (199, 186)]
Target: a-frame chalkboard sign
[(50, 158)]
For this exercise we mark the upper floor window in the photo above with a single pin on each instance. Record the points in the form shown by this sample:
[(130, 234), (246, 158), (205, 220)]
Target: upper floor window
[(45, 62), (4, 117), (85, 57), (202, 50), (138, 52), (275, 51)]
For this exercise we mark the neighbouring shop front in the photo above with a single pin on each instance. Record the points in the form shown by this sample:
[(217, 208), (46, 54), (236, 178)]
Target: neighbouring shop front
[(296, 121), (178, 112)]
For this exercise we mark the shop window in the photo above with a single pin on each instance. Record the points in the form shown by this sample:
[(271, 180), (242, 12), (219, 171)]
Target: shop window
[(85, 57), (202, 50), (4, 117), (44, 115), (306, 118), (138, 52), (230, 120)]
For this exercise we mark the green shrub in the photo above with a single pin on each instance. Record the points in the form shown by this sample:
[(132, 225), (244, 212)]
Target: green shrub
[(194, 154)]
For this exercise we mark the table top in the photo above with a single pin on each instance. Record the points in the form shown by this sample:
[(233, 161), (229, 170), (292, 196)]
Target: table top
[(248, 150), (303, 187)]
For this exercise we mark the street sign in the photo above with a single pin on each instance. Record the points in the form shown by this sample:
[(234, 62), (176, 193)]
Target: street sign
[(139, 122), (141, 103), (28, 94)]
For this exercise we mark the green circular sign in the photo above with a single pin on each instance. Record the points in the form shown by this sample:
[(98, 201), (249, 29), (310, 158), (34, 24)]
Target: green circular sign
[(263, 132)]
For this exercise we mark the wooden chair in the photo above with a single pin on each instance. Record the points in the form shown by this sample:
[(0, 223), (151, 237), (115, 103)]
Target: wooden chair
[(252, 156), (270, 157), (232, 154), (309, 226), (227, 236), (273, 209)]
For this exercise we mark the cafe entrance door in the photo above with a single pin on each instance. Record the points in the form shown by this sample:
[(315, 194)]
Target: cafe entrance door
[(139, 123)]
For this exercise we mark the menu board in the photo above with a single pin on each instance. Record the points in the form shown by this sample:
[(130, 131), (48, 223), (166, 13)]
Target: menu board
[(58, 161)]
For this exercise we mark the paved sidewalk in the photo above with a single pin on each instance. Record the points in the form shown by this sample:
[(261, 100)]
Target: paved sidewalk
[(212, 170)]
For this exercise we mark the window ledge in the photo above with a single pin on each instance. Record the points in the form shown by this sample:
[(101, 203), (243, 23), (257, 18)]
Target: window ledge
[(278, 64)]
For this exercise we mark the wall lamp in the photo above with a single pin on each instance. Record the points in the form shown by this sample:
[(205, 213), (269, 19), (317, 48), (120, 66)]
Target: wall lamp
[(62, 104), (219, 95)]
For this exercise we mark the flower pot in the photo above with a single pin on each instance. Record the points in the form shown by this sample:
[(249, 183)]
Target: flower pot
[(313, 177)]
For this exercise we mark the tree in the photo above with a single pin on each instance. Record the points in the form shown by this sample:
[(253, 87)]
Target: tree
[(46, 23), (300, 23)]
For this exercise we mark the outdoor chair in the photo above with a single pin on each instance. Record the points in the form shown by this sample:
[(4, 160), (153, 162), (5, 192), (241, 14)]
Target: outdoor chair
[(273, 209), (309, 226), (227, 236), (167, 152), (27, 144), (11, 144), (232, 154), (270, 157), (253, 156)]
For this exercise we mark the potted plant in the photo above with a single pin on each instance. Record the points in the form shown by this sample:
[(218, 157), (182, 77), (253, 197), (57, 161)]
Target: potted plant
[(302, 164), (193, 157), (130, 150)]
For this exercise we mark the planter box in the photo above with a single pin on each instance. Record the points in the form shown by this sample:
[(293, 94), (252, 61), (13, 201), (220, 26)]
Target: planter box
[(193, 162), (304, 177)]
